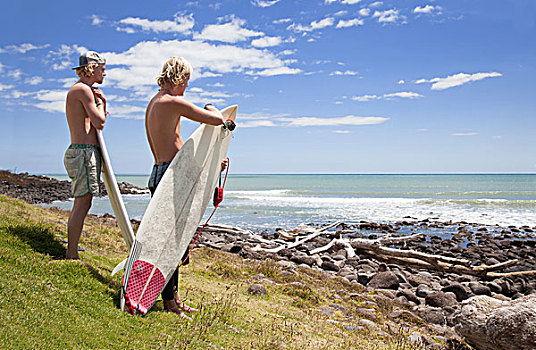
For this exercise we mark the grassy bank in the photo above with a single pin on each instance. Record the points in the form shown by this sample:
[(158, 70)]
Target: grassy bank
[(49, 303)]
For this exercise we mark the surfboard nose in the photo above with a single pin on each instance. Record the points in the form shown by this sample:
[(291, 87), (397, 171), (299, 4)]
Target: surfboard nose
[(230, 112)]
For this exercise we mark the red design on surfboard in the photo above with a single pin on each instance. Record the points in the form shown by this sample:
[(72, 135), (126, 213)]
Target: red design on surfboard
[(139, 276)]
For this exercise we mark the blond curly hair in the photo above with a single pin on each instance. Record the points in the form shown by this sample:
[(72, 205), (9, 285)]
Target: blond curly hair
[(86, 71), (176, 71)]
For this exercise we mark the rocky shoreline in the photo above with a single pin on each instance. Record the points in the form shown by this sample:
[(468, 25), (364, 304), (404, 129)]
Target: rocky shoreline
[(446, 300), (464, 281), (36, 189)]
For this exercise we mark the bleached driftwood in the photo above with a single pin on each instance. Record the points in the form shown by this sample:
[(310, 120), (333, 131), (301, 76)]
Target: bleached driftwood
[(297, 243), (512, 274), (435, 262), (402, 253), (391, 240), (350, 252), (216, 228)]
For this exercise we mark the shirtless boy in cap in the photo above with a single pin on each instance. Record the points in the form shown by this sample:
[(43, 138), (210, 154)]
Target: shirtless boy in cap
[(86, 111), (163, 127)]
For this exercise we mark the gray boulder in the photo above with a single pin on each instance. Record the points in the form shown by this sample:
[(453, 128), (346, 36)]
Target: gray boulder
[(491, 324), (386, 280)]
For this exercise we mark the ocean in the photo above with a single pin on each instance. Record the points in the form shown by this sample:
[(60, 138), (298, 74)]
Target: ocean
[(266, 202)]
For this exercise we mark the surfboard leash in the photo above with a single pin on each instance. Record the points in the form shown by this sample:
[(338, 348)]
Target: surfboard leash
[(218, 198)]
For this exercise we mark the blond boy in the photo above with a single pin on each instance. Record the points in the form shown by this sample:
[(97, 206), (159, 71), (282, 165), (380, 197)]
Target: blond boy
[(86, 112), (162, 124)]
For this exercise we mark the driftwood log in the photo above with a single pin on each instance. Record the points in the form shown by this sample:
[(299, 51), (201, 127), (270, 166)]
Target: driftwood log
[(315, 234), (376, 248)]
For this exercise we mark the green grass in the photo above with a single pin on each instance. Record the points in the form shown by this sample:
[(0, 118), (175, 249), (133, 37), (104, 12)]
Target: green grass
[(50, 303)]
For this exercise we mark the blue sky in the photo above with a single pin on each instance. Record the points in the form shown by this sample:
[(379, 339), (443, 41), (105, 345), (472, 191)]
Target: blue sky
[(327, 86)]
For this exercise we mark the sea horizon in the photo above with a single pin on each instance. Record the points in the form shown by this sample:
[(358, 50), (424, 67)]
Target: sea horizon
[(266, 201)]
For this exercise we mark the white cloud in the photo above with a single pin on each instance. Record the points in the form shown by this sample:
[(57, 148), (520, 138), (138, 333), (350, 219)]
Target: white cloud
[(403, 94), (68, 82), (96, 20), (256, 123), (126, 111), (315, 25), (348, 72), (428, 9), (140, 64), (376, 4), (323, 23), (34, 80), (341, 131), (462, 134), (390, 96), (50, 100), (457, 80), (287, 52), (230, 32), (275, 71), (1, 67), (401, 81), (338, 121), (388, 16), (15, 74), (127, 30), (282, 20), (23, 48), (264, 3), (350, 23), (364, 12), (267, 41), (366, 98), (346, 2), (63, 58), (18, 94), (5, 87), (180, 24), (263, 120)]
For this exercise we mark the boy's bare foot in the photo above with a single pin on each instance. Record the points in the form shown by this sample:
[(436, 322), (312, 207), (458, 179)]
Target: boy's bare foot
[(181, 305), (171, 306)]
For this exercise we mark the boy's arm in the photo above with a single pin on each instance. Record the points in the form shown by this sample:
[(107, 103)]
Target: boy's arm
[(211, 115), (96, 114)]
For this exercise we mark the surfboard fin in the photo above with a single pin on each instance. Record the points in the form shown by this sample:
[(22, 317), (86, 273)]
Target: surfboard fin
[(119, 267)]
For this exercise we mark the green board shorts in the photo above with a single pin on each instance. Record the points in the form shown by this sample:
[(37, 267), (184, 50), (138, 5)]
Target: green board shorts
[(83, 165)]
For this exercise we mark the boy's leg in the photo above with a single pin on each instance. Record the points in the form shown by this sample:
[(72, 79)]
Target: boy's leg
[(76, 222)]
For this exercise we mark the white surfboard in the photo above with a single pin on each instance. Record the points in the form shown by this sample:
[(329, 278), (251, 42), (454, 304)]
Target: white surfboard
[(114, 194), (174, 213)]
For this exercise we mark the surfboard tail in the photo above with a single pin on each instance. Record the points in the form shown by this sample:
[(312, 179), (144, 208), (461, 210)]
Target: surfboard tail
[(144, 285)]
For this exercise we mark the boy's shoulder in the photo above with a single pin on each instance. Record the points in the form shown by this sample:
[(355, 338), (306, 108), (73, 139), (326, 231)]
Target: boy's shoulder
[(79, 89)]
